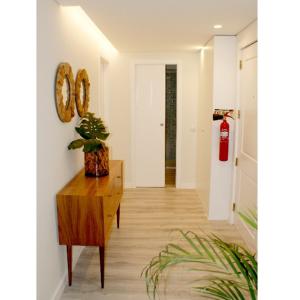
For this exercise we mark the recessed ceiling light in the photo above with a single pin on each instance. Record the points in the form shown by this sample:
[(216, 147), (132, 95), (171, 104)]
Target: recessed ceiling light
[(218, 26)]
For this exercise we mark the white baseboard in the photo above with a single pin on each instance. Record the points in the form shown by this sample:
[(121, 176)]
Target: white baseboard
[(186, 185), (60, 288), (64, 280), (129, 185)]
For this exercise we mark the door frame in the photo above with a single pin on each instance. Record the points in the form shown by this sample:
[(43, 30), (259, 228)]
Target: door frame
[(231, 218), (246, 234), (178, 115)]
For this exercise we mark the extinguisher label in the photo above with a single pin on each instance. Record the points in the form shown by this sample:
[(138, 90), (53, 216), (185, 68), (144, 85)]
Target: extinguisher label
[(224, 134)]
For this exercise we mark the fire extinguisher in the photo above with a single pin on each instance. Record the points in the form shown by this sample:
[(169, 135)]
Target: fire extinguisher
[(224, 139)]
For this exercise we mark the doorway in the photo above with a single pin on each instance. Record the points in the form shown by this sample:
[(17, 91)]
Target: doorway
[(148, 147), (170, 128)]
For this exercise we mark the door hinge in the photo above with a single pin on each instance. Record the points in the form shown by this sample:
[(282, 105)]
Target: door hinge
[(241, 64), (236, 161), (238, 113), (233, 206)]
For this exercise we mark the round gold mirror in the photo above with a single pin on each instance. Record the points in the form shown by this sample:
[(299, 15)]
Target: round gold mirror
[(64, 92), (82, 92)]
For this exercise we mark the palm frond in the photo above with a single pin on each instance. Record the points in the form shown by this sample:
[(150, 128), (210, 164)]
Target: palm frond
[(249, 218), (222, 289), (228, 271)]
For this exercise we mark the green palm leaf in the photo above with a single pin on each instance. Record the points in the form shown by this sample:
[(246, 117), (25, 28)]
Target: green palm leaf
[(228, 271), (222, 289), (250, 218)]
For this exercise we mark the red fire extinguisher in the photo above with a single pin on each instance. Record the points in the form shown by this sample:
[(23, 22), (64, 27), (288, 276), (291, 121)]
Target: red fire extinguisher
[(224, 139)]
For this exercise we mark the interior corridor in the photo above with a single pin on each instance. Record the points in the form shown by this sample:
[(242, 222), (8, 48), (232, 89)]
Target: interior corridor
[(148, 216)]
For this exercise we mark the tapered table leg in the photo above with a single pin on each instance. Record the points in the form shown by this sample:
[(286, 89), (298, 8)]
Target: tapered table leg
[(102, 253), (118, 217), (69, 256)]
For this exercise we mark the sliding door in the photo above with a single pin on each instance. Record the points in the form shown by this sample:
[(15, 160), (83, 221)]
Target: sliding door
[(150, 125)]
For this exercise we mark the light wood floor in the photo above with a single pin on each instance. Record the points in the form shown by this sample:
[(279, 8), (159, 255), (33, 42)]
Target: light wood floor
[(147, 219)]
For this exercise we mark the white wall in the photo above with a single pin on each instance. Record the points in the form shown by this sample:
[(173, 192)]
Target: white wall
[(219, 88), (224, 96), (224, 72), (120, 110), (204, 111), (61, 38), (247, 35), (217, 91)]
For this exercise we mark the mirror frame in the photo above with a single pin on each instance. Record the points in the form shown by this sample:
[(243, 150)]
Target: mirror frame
[(82, 104), (65, 110)]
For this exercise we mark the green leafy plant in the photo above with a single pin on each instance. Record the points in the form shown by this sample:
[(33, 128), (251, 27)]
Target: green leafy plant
[(250, 218), (93, 133), (232, 268)]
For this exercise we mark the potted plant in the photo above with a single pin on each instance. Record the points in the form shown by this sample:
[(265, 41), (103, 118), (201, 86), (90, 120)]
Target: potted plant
[(233, 268), (96, 153)]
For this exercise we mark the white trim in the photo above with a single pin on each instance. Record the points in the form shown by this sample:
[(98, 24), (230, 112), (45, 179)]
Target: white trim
[(232, 219), (178, 117), (60, 288), (186, 185), (64, 280), (128, 185), (132, 104)]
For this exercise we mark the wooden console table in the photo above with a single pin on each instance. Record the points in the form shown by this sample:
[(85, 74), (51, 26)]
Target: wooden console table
[(85, 210)]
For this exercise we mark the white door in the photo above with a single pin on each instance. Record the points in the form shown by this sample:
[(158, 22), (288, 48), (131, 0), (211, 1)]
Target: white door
[(246, 179), (149, 125)]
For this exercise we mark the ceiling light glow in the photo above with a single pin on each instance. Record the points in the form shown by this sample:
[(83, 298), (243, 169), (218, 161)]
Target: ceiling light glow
[(80, 21), (218, 26)]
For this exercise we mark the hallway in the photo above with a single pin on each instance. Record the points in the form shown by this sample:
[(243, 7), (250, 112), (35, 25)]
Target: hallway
[(147, 219)]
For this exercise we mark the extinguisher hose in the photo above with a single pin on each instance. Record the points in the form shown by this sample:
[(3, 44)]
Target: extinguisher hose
[(226, 115)]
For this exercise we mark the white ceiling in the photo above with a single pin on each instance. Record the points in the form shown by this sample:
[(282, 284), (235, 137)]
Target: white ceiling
[(166, 25)]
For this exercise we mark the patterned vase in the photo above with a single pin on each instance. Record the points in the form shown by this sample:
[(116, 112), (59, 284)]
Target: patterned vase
[(97, 163)]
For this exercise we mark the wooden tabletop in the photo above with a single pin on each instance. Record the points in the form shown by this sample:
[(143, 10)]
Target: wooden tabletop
[(82, 185)]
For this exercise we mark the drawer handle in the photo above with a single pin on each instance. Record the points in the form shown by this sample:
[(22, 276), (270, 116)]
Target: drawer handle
[(110, 216)]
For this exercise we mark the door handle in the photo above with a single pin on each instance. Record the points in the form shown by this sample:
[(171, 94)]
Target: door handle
[(161, 124)]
